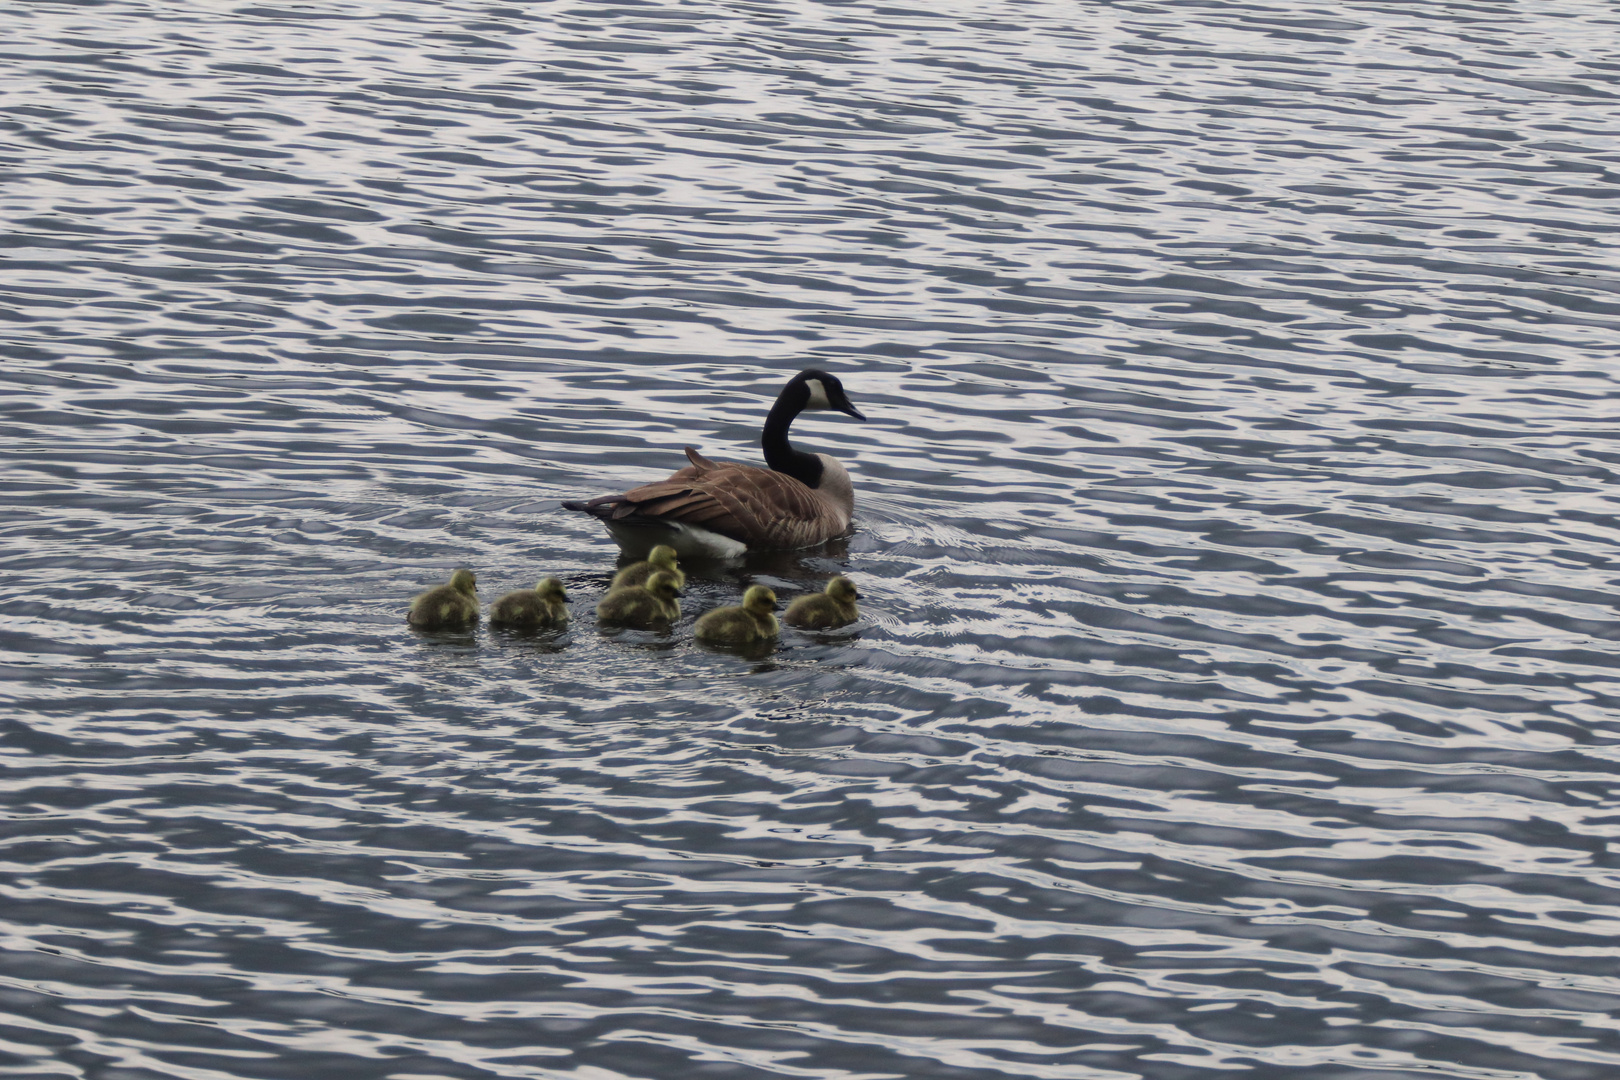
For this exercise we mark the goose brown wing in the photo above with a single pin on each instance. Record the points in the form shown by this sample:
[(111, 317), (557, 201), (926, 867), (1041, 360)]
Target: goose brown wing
[(760, 507)]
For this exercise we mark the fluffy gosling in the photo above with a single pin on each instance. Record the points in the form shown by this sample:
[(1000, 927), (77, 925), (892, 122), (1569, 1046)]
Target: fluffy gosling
[(750, 624), (540, 608), (824, 610), (645, 607), (447, 607), (662, 558)]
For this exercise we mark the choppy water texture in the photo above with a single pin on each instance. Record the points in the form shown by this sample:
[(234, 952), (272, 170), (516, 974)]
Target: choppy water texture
[(1236, 693)]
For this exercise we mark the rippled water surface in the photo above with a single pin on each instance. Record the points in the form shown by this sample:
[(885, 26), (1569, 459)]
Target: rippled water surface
[(1236, 687)]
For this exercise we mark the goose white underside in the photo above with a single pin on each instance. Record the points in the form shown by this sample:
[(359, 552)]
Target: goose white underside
[(689, 541)]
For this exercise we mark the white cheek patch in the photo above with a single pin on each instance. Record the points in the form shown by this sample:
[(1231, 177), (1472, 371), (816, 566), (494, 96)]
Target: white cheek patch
[(818, 395)]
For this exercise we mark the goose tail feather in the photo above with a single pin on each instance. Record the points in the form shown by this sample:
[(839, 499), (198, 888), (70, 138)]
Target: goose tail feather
[(618, 510), (699, 462)]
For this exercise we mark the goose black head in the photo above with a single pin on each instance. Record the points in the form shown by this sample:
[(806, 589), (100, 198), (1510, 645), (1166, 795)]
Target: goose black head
[(809, 389), (824, 391)]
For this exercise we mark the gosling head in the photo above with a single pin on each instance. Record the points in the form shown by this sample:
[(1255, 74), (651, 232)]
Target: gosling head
[(842, 589), (662, 555), (463, 581), (551, 589), (662, 585), (759, 600)]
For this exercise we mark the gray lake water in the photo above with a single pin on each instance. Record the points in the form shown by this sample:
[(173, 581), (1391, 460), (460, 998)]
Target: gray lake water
[(1236, 691)]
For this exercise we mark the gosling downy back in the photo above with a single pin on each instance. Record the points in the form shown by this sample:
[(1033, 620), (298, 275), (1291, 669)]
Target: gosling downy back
[(721, 509), (651, 606), (825, 610), (447, 607), (542, 607), (752, 622), (661, 557)]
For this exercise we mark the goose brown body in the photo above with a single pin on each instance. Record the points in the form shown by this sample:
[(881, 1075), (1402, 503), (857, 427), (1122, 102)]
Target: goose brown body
[(724, 508), (760, 508)]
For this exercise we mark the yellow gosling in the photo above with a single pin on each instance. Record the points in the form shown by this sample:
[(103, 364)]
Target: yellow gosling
[(750, 624), (543, 607), (661, 557), (652, 606), (825, 610), (447, 607)]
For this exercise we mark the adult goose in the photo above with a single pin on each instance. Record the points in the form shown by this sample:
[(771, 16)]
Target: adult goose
[(722, 508)]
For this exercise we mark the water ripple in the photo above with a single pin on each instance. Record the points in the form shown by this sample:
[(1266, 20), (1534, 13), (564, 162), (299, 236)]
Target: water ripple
[(1235, 684)]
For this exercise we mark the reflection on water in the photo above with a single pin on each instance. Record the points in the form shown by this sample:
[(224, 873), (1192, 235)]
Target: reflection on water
[(1235, 682)]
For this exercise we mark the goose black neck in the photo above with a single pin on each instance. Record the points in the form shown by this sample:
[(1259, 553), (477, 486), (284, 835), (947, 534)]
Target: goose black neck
[(779, 453)]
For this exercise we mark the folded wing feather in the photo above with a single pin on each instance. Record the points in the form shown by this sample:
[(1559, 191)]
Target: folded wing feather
[(757, 506)]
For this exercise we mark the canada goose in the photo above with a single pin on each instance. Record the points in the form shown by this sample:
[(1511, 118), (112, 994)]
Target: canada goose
[(541, 607), (722, 508), (662, 557), (749, 624), (824, 610), (447, 607), (644, 607)]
